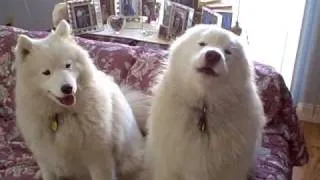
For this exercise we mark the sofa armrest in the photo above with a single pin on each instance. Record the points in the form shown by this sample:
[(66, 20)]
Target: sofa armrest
[(281, 114)]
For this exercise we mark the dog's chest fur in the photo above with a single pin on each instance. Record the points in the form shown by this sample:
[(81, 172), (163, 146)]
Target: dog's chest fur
[(63, 143), (228, 139)]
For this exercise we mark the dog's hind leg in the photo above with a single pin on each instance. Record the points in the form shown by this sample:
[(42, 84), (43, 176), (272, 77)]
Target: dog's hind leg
[(140, 104)]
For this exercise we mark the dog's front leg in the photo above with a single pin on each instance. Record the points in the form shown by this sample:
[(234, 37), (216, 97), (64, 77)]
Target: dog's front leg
[(100, 170)]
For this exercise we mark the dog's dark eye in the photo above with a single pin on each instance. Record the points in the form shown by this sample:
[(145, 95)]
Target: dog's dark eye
[(46, 72), (202, 44), (68, 66), (227, 51)]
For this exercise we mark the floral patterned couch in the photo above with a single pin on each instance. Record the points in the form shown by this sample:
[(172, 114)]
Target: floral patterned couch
[(283, 141)]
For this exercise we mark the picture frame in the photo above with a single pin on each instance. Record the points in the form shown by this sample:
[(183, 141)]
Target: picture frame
[(209, 16), (163, 32), (129, 8), (164, 19), (131, 11), (189, 3), (166, 13), (181, 18), (150, 10), (84, 16), (157, 11), (107, 9)]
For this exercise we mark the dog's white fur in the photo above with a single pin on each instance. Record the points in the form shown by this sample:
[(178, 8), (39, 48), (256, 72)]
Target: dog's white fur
[(98, 137), (176, 147)]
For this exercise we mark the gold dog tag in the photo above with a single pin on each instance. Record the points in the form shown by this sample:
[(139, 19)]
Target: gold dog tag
[(203, 119), (55, 123)]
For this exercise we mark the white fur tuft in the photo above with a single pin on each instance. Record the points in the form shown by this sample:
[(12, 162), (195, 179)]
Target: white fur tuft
[(24, 45), (140, 104), (63, 29)]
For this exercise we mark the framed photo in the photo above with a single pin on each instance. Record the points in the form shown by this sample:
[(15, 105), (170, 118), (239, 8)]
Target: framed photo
[(163, 32), (107, 9), (210, 17), (180, 19), (131, 11), (190, 3), (167, 11), (157, 11), (129, 8), (149, 10), (84, 16)]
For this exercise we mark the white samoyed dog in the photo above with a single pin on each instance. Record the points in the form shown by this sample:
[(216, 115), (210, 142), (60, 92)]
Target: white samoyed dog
[(206, 117), (73, 117)]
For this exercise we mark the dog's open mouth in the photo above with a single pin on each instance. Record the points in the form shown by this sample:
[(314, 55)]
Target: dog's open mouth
[(67, 100), (207, 71)]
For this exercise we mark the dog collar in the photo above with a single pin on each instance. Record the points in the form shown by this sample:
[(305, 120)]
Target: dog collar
[(202, 122)]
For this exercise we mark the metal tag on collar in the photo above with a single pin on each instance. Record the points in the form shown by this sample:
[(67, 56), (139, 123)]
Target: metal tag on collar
[(203, 119), (55, 123)]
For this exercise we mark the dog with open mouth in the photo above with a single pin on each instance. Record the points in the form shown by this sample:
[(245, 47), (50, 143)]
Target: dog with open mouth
[(206, 118), (75, 119)]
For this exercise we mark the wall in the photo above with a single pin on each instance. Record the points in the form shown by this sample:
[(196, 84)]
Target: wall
[(28, 14), (4, 10)]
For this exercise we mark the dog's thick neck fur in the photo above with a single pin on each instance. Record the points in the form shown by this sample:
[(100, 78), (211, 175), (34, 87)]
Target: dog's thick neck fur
[(224, 101), (198, 98)]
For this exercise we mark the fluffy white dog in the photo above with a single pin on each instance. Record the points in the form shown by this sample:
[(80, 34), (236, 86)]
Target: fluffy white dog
[(206, 118), (73, 117)]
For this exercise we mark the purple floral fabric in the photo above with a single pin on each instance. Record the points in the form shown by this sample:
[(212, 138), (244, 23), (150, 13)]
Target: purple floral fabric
[(283, 141)]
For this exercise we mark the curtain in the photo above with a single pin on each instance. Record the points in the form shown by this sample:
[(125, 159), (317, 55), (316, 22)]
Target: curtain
[(306, 79)]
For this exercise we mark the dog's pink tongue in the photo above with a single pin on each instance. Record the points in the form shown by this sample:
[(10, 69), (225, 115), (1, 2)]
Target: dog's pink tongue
[(68, 100)]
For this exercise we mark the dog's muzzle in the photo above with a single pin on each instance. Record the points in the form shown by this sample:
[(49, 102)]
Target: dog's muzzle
[(212, 59)]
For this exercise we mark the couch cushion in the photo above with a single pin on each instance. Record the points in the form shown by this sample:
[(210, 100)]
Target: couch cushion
[(149, 63)]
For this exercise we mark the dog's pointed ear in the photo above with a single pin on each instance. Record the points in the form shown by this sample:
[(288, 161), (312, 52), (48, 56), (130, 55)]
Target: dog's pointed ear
[(63, 29), (24, 45)]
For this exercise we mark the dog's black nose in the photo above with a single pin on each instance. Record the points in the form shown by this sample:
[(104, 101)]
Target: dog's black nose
[(212, 58), (66, 89)]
